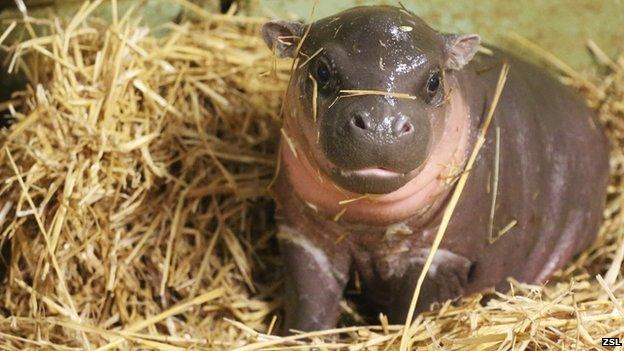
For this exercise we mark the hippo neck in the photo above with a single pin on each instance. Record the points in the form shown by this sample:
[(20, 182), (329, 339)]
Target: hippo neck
[(420, 197)]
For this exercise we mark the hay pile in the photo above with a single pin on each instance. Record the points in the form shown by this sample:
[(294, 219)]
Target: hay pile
[(134, 183), (134, 199)]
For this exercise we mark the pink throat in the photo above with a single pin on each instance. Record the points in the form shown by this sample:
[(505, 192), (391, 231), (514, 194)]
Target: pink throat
[(445, 161)]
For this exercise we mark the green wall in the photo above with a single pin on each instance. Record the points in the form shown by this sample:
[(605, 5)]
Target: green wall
[(561, 26)]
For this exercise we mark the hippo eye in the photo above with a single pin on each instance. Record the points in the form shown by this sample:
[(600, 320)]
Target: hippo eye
[(434, 88), (322, 73), (433, 84)]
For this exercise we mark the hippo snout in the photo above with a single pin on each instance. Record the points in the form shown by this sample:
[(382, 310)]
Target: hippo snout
[(373, 135), (376, 144)]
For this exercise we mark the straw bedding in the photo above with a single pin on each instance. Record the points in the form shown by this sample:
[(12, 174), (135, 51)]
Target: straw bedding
[(134, 199)]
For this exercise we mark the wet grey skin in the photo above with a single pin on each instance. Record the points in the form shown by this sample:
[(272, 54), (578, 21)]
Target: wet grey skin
[(552, 180)]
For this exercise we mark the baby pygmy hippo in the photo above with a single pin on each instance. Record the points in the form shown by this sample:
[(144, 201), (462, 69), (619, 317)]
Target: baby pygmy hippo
[(381, 114)]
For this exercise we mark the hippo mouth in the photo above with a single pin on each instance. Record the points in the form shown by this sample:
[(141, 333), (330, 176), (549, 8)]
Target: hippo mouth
[(371, 180), (380, 172)]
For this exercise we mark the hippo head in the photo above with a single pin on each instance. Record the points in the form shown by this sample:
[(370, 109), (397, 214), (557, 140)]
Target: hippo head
[(368, 95)]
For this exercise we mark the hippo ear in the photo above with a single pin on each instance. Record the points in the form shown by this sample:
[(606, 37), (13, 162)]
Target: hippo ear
[(460, 49), (282, 36)]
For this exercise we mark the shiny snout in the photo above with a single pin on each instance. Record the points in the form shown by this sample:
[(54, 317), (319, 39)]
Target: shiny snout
[(374, 141)]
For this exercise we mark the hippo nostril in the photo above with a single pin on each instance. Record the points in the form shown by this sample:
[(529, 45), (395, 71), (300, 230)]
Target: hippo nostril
[(403, 127), (360, 122), (406, 128)]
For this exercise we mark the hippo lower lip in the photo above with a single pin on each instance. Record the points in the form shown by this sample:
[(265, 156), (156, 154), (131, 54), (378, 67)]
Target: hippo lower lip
[(368, 180), (376, 172)]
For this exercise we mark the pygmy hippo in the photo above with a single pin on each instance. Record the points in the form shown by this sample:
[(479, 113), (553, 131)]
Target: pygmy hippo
[(380, 116)]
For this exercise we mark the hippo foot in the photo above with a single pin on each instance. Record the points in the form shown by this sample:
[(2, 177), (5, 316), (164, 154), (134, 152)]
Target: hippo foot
[(446, 279)]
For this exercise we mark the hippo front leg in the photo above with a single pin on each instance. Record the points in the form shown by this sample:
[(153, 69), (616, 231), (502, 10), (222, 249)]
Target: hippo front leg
[(314, 283), (446, 279)]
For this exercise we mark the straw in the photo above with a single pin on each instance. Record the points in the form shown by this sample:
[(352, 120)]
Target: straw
[(134, 198)]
